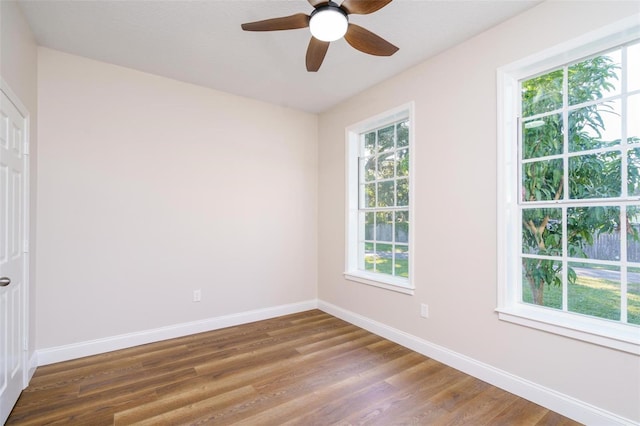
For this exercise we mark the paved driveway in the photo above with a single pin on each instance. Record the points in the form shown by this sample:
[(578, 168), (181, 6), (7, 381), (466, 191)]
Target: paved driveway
[(633, 277)]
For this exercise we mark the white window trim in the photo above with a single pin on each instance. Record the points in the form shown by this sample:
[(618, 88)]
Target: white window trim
[(609, 334), (352, 134)]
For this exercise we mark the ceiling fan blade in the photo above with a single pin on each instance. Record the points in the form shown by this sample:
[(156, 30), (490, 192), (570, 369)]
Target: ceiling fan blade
[(299, 20), (363, 7), (316, 3), (367, 42), (315, 54)]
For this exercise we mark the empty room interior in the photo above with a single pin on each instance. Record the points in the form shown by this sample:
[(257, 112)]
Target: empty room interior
[(460, 179)]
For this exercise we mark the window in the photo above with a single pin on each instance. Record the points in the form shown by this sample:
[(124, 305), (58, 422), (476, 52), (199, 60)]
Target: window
[(379, 182), (569, 219)]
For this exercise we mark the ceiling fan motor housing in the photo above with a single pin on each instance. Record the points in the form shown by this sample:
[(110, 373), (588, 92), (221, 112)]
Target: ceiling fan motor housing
[(329, 6)]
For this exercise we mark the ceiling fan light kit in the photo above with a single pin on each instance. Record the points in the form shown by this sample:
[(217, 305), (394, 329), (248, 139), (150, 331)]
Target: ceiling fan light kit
[(329, 22)]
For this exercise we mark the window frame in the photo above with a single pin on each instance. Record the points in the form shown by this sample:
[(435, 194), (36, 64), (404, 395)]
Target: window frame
[(602, 332), (352, 148)]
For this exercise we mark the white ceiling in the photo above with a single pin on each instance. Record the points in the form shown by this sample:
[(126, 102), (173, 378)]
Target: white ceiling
[(201, 42)]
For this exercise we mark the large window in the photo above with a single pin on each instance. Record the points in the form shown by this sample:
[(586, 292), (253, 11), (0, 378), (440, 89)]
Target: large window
[(379, 217), (571, 177)]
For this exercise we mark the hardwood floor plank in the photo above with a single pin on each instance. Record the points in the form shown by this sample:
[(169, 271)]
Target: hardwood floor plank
[(555, 419), (307, 368), (416, 399), (333, 411), (201, 412), (415, 384), (520, 412), (481, 409)]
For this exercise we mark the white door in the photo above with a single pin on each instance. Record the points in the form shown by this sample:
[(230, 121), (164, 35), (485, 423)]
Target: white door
[(13, 142)]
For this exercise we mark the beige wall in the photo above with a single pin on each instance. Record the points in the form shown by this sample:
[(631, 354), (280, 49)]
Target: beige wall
[(455, 205), (151, 188), (18, 68)]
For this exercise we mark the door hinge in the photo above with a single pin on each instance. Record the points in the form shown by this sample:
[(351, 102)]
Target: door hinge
[(25, 246), (26, 147)]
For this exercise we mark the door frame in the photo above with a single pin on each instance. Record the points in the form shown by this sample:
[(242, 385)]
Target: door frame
[(27, 368)]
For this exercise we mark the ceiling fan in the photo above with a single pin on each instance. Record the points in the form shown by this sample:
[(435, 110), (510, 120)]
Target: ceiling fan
[(329, 22)]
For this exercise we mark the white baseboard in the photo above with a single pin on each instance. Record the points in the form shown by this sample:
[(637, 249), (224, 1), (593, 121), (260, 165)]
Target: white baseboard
[(108, 344), (567, 406)]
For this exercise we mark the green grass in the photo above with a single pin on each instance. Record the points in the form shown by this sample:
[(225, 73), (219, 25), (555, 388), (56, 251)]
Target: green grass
[(596, 297), (385, 265)]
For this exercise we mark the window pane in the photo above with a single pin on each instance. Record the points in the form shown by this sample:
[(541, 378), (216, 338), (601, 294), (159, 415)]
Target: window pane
[(594, 290), (402, 130), (633, 296), (542, 94), (595, 176), (385, 139), (595, 78), (633, 233), (402, 261), (542, 282), (595, 126), (386, 163), (385, 194), (369, 194), (633, 119), (542, 180), (403, 192), (384, 226), (369, 224), (542, 136), (384, 255), (370, 257), (633, 60), (369, 168), (542, 231), (402, 162), (402, 227), (369, 144), (633, 171), (594, 232)]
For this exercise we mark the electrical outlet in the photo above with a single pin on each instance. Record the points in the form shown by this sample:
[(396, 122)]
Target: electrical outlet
[(424, 310), (197, 295)]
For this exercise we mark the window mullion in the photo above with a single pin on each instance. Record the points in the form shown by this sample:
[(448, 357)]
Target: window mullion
[(395, 200), (624, 135), (625, 193), (565, 191), (376, 161), (565, 261), (517, 297), (623, 264), (565, 136)]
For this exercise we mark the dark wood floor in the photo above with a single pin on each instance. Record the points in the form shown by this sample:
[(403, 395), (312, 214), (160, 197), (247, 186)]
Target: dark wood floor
[(303, 369)]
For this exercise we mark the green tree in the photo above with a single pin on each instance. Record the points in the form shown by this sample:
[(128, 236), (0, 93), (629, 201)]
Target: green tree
[(591, 175)]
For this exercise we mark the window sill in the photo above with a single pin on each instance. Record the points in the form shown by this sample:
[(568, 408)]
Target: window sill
[(608, 334), (380, 281)]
